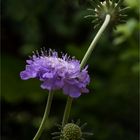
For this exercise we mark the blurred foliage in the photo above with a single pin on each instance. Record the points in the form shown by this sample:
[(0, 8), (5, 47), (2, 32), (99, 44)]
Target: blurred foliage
[(111, 107)]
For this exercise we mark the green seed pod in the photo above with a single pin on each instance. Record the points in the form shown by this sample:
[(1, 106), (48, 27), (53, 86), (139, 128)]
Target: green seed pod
[(71, 131)]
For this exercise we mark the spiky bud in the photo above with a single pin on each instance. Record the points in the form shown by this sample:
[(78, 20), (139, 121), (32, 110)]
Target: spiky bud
[(71, 131), (101, 9)]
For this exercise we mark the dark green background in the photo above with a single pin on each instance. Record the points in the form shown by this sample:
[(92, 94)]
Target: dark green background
[(111, 107)]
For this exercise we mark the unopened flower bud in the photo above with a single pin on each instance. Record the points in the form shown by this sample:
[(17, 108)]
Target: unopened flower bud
[(71, 131), (101, 9)]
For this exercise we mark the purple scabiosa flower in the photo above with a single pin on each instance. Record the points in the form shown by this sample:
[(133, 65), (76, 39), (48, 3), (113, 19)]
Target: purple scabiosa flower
[(57, 73)]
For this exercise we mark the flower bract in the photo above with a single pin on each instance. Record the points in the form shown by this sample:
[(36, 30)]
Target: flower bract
[(57, 73), (114, 8)]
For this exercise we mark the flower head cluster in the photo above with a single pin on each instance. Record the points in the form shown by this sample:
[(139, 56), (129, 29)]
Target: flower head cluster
[(57, 73), (111, 7)]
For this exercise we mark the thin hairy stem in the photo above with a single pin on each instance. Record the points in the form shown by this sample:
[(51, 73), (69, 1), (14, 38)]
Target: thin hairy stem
[(95, 40), (45, 117), (67, 111)]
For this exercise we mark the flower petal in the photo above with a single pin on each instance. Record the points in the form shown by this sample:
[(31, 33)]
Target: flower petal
[(71, 90)]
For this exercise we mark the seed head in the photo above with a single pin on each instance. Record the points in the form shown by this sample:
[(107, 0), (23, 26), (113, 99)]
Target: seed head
[(71, 131), (111, 7)]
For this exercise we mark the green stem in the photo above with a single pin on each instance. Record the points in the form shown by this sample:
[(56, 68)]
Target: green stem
[(83, 63), (45, 117), (67, 111), (95, 40)]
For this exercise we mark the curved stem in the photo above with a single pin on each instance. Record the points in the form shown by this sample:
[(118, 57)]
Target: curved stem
[(84, 60), (45, 117), (95, 40), (67, 111)]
